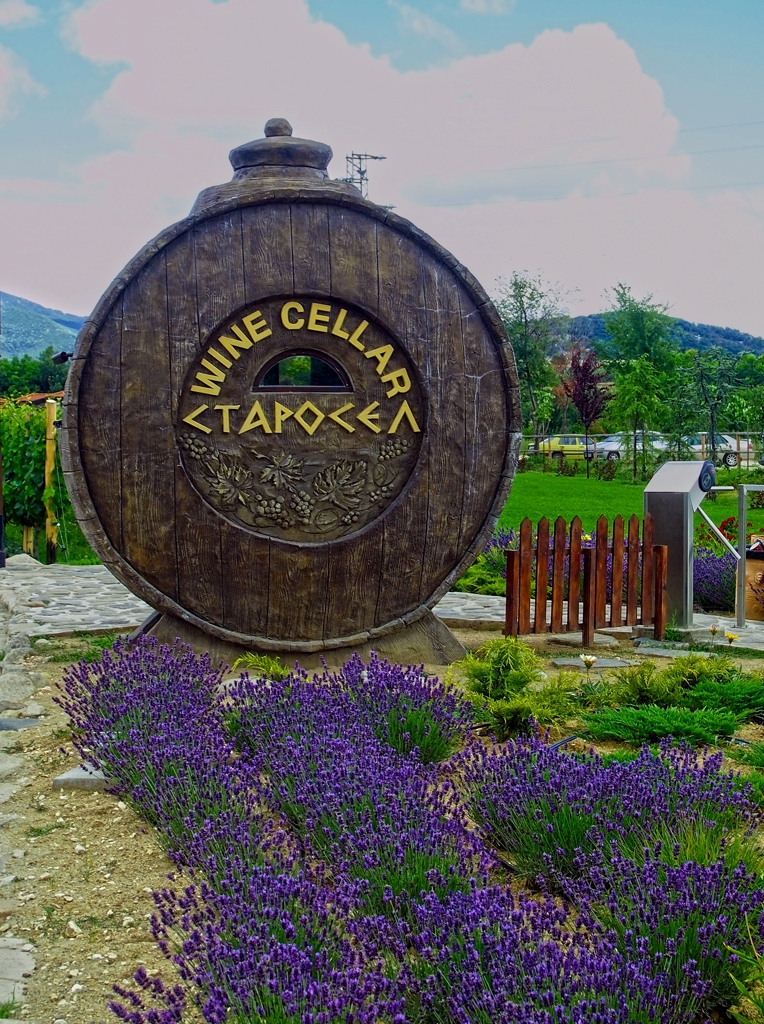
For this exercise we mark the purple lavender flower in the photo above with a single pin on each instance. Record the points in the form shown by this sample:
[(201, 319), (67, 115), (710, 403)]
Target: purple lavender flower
[(548, 808), (713, 578)]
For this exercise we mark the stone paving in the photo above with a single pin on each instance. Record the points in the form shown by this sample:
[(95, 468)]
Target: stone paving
[(56, 600)]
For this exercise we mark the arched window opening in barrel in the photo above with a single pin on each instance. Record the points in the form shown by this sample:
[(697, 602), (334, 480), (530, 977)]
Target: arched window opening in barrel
[(303, 371)]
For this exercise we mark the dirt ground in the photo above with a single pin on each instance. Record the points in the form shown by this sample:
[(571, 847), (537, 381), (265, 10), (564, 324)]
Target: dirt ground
[(85, 867)]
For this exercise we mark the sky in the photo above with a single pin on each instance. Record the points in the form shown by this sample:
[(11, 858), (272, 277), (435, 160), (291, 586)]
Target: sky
[(590, 142)]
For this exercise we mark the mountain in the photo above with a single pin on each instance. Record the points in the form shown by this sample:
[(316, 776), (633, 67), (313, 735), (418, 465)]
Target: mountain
[(686, 334), (27, 328)]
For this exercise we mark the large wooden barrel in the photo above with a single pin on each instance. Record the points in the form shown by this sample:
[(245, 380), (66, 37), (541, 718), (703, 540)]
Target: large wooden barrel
[(292, 420)]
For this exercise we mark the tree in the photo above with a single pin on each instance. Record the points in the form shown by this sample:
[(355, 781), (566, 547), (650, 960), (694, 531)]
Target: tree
[(535, 321), (711, 380), (22, 375), (637, 328), (638, 393), (587, 389)]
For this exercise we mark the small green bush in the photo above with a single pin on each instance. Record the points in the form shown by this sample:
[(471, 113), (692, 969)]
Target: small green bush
[(500, 668), (688, 672), (549, 704), (742, 696), (482, 577), (747, 753), (649, 723), (263, 665), (644, 684)]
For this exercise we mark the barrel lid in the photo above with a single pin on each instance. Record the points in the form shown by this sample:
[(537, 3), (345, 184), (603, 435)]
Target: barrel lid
[(279, 154)]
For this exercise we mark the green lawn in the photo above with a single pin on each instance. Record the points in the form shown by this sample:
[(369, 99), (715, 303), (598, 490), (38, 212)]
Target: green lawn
[(546, 494)]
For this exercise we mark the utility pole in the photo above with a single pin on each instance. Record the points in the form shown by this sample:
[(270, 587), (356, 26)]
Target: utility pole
[(357, 173)]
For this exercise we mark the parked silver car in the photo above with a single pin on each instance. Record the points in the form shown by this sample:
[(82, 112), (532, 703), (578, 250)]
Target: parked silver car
[(616, 446), (726, 448)]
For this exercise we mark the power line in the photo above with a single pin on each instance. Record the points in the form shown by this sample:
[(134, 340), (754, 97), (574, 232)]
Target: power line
[(616, 160), (609, 195), (718, 127)]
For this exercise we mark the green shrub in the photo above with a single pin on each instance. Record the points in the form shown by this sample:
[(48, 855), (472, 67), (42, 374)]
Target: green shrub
[(549, 704), (509, 718), (649, 723), (688, 672), (482, 577), (500, 668), (567, 467), (742, 696), (264, 665), (644, 684), (747, 753)]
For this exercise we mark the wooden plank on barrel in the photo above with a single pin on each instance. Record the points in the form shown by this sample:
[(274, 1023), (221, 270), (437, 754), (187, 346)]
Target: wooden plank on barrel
[(401, 307), (446, 428), (558, 573), (526, 567), (486, 419), (401, 292), (197, 528), (352, 590), (310, 249), (267, 250), (616, 599), (632, 571), (148, 437), (219, 256), (297, 598), (100, 424), (246, 558), (574, 574), (353, 257), (400, 565), (542, 575)]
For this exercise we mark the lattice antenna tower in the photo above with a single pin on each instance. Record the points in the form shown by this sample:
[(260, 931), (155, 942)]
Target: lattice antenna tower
[(357, 172)]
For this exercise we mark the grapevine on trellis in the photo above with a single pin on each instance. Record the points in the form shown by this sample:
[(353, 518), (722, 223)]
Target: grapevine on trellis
[(25, 497)]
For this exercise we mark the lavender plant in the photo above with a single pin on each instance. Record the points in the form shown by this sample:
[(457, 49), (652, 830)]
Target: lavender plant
[(684, 915), (268, 945), (483, 958), (149, 717), (406, 708), (549, 810), (713, 575), (376, 814)]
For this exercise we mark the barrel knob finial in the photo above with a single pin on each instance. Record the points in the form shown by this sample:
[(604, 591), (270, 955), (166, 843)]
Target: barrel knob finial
[(277, 126)]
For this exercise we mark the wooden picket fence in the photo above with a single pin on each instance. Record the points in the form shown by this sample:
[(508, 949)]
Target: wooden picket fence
[(586, 608)]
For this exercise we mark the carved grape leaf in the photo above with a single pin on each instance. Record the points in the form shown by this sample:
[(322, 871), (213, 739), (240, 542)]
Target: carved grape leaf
[(341, 483)]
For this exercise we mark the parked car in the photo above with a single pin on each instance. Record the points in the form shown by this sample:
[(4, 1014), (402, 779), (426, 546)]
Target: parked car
[(559, 446), (726, 447), (616, 446)]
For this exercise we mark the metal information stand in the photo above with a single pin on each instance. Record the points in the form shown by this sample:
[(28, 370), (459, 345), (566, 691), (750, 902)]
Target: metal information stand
[(672, 497)]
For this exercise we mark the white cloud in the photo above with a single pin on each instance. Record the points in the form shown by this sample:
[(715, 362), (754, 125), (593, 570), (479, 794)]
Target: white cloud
[(422, 24), (571, 118), (487, 6), (15, 80), (18, 14)]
